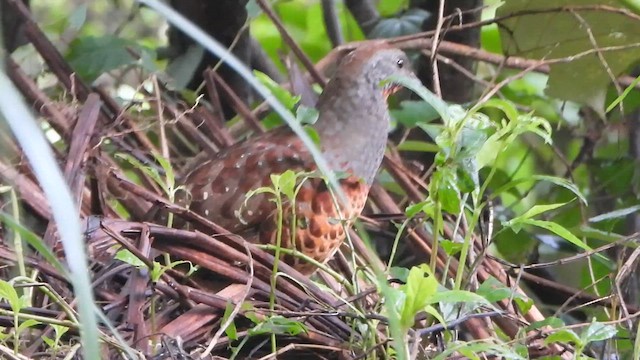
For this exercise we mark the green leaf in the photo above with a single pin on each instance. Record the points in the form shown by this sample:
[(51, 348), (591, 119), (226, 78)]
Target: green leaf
[(8, 292), (35, 241), (415, 145), (493, 290), (552, 179), (231, 330), (78, 17), (127, 256), (92, 56), (285, 183), (451, 247), (507, 107), (536, 210), (278, 325), (524, 304), (26, 324), (182, 68), (391, 7), (597, 331), (284, 97), (412, 112), (559, 34), (410, 22), (435, 313), (419, 289), (445, 190), (423, 206), (150, 171), (624, 94), (416, 86), (458, 296), (563, 336), (307, 115), (399, 273), (467, 174), (560, 231), (253, 9)]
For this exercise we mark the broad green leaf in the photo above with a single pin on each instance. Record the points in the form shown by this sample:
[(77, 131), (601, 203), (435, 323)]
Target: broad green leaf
[(78, 17), (423, 206), (507, 107), (559, 34), (467, 175), (420, 287), (26, 324), (416, 86), (127, 256), (412, 113), (307, 115), (410, 22), (284, 97), (435, 313), (415, 145), (597, 331), (399, 273), (182, 68), (60, 330), (231, 330), (8, 292), (278, 325), (285, 183), (391, 7), (450, 247), (253, 9), (150, 171), (524, 304), (563, 336), (493, 290), (444, 189), (92, 56), (458, 296)]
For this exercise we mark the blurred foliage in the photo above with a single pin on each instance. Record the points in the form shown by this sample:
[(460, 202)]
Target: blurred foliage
[(550, 35)]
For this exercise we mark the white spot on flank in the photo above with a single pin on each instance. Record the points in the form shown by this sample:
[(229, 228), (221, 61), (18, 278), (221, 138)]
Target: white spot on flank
[(226, 189), (260, 163), (205, 195), (206, 212), (249, 212)]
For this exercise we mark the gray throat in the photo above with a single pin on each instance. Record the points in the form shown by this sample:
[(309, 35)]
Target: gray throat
[(353, 128)]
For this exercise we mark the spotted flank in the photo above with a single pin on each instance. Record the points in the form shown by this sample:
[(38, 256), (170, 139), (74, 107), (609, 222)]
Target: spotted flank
[(320, 224)]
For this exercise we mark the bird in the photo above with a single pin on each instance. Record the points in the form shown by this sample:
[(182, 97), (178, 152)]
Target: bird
[(352, 126)]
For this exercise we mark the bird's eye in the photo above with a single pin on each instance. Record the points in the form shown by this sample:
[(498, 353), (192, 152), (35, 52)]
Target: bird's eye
[(400, 63)]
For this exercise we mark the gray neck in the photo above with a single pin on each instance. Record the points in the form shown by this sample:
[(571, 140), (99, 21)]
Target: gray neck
[(353, 127)]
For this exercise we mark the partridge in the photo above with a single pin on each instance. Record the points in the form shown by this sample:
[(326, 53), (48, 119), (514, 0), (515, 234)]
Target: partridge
[(352, 126)]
